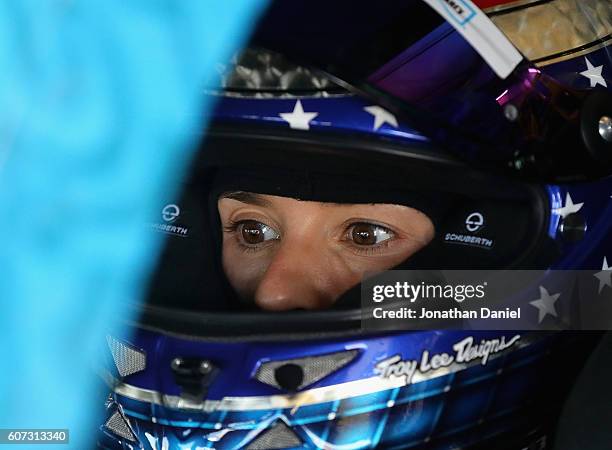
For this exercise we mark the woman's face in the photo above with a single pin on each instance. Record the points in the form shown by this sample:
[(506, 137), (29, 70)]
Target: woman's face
[(288, 254)]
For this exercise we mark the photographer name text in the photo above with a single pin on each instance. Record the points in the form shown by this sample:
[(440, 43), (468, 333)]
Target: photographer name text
[(454, 313)]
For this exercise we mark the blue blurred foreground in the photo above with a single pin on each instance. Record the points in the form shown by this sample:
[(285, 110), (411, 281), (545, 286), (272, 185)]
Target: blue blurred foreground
[(99, 103)]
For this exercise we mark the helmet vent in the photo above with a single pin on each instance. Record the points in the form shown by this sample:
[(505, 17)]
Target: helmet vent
[(119, 425), (313, 369), (277, 437), (127, 358)]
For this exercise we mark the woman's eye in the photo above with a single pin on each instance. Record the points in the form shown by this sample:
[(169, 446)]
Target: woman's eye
[(369, 234), (253, 232)]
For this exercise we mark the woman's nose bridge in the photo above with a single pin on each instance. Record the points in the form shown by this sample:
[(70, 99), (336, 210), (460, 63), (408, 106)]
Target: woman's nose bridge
[(305, 256), (297, 277)]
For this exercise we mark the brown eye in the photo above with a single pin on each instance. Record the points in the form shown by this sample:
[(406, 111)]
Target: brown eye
[(254, 232), (369, 234)]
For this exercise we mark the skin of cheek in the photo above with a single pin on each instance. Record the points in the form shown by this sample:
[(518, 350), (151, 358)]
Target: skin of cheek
[(243, 270), (402, 250), (368, 265)]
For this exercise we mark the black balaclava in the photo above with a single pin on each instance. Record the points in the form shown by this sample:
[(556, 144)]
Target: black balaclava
[(312, 185)]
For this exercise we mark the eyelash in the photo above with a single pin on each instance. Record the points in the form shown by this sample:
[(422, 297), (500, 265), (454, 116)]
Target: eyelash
[(232, 228), (372, 250)]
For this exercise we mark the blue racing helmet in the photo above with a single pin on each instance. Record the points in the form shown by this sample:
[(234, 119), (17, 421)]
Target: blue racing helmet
[(403, 104)]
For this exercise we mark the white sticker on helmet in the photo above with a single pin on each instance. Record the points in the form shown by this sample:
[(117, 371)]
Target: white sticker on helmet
[(482, 34)]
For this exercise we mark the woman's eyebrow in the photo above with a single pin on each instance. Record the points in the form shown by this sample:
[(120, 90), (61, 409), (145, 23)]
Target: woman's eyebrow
[(349, 204), (247, 197)]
